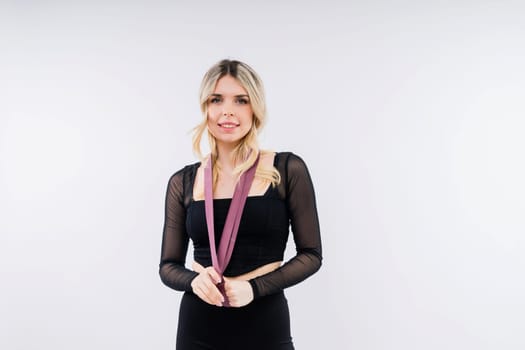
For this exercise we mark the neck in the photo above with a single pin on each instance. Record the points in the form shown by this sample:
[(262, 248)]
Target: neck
[(225, 157)]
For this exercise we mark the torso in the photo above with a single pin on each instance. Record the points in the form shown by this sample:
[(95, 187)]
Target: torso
[(224, 189)]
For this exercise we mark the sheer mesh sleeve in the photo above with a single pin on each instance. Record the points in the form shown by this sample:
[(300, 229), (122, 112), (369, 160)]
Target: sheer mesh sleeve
[(300, 199), (172, 270)]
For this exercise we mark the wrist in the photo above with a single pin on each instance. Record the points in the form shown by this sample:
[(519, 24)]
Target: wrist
[(255, 289), (191, 280)]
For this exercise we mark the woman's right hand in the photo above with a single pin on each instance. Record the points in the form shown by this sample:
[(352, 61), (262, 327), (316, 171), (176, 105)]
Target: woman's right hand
[(204, 286)]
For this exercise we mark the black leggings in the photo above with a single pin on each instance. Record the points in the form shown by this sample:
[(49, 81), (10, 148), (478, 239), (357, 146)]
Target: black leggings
[(264, 324)]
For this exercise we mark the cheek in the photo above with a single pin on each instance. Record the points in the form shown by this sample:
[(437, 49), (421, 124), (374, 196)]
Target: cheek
[(248, 115), (212, 123), (212, 114)]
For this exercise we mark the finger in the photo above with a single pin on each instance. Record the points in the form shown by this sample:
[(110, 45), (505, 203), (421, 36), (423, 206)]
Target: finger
[(204, 293), (235, 302), (215, 295), (211, 291), (197, 267), (199, 292), (214, 275), (230, 292), (229, 287), (205, 289), (238, 293)]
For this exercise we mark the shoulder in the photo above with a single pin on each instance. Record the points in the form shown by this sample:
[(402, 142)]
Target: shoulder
[(179, 183), (183, 174), (294, 172), (185, 169), (289, 161)]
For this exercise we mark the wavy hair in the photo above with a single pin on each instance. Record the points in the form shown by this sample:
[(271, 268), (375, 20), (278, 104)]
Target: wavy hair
[(245, 153)]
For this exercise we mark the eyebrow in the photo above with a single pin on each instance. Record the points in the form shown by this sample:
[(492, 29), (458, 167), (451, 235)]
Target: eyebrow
[(219, 95)]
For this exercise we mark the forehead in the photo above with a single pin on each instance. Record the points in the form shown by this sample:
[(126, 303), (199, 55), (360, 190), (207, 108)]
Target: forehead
[(228, 85)]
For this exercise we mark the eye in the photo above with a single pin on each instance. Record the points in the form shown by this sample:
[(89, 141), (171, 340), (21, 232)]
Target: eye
[(243, 101), (215, 99)]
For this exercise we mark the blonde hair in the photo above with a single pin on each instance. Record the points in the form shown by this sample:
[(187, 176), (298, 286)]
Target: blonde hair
[(245, 153)]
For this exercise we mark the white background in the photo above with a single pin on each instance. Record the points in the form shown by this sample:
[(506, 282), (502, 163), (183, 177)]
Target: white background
[(409, 114)]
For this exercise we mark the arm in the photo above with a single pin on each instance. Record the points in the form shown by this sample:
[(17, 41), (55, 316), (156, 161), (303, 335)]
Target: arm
[(172, 270), (300, 199)]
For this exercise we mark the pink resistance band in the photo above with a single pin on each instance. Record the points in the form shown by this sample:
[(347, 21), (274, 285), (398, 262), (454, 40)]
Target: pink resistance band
[(221, 258)]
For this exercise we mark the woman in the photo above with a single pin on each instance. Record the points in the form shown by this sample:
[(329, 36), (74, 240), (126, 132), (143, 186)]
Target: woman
[(237, 303)]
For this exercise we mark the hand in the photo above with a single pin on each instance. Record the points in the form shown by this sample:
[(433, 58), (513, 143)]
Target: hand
[(204, 286), (239, 292)]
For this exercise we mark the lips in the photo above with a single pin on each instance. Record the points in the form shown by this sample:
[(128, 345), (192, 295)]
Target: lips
[(228, 125)]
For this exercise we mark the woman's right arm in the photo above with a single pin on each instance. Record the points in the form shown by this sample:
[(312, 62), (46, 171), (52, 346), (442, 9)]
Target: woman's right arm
[(175, 239), (172, 270)]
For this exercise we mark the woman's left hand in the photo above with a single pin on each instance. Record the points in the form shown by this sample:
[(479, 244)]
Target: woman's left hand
[(239, 292)]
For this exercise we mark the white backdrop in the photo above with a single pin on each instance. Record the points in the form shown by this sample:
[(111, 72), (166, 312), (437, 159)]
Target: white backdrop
[(409, 114)]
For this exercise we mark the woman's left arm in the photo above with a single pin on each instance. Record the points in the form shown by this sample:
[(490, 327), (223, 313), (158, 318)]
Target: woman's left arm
[(300, 199)]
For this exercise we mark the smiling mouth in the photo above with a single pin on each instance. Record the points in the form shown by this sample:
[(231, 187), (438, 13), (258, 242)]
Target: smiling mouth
[(228, 125)]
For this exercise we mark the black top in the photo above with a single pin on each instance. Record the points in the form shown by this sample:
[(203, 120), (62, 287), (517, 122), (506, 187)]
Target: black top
[(263, 230)]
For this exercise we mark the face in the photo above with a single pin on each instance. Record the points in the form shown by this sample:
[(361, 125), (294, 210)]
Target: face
[(230, 114)]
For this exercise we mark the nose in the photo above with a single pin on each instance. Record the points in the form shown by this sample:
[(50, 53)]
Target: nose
[(228, 107), (227, 112)]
